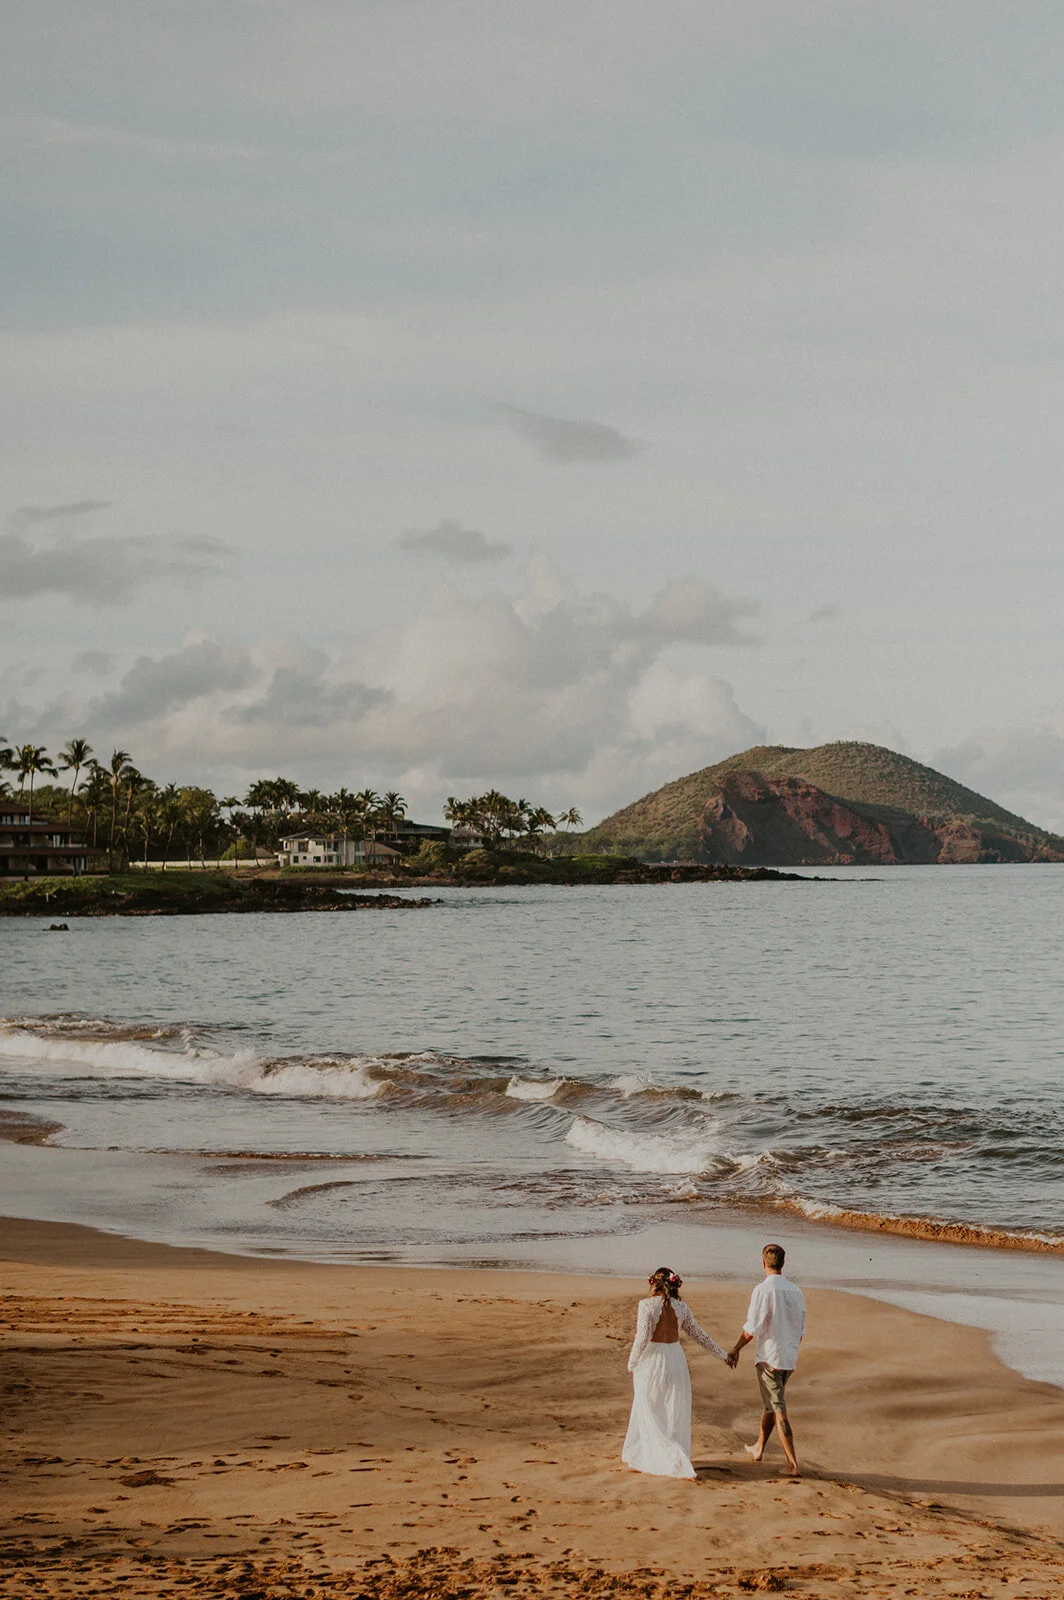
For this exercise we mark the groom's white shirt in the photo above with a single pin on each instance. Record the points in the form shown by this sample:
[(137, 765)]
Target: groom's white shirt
[(776, 1319)]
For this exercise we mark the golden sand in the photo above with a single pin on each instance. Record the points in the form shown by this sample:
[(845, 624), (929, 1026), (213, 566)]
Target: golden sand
[(184, 1424)]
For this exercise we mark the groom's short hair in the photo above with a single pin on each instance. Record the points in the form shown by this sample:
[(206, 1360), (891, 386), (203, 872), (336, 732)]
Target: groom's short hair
[(774, 1255)]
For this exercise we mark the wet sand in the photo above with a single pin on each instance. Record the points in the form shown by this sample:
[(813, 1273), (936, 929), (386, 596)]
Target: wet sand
[(183, 1423)]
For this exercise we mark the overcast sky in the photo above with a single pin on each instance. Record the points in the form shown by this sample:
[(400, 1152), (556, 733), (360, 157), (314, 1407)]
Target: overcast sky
[(557, 396)]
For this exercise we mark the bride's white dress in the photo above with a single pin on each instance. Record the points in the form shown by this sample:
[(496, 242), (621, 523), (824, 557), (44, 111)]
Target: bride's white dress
[(659, 1430)]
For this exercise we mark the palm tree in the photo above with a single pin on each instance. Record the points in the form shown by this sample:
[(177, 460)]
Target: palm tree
[(200, 810), (232, 805), (31, 759), (145, 815), (168, 815), (311, 803), (368, 801), (93, 794), (390, 811), (7, 755), (136, 784), (286, 795), (120, 765), (536, 821), (260, 797), (570, 818), (498, 814), (72, 759)]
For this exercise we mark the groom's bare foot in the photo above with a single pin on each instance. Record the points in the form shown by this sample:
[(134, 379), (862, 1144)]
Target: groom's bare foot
[(754, 1451), (792, 1470)]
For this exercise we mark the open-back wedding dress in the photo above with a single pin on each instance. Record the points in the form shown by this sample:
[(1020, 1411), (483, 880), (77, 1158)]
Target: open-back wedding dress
[(659, 1429)]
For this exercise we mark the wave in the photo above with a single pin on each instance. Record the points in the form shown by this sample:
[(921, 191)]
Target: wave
[(933, 1229), (71, 1025), (635, 1133), (533, 1088), (648, 1152), (323, 1077)]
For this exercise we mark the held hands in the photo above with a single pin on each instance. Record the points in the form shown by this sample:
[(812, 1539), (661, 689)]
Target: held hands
[(732, 1358)]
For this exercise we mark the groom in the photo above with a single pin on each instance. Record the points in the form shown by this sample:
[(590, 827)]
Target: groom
[(776, 1319)]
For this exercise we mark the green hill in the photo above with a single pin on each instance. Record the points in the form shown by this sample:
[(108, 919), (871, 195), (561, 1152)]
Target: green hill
[(876, 784)]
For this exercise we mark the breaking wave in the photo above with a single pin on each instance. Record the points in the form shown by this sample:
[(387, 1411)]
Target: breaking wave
[(935, 1229), (646, 1152), (533, 1088), (870, 1164), (324, 1077)]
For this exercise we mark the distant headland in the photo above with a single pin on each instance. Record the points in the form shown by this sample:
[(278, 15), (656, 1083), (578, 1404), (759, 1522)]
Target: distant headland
[(838, 804)]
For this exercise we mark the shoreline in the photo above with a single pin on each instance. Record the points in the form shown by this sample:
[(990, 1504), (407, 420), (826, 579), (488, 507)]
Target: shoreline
[(31, 1128), (1016, 1297), (189, 892), (184, 1416)]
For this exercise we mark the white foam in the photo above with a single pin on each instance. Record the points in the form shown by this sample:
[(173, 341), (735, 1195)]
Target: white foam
[(630, 1083), (815, 1210), (532, 1088), (324, 1078), (646, 1152)]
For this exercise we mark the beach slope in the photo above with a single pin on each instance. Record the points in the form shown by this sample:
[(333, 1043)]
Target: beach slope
[(187, 1423)]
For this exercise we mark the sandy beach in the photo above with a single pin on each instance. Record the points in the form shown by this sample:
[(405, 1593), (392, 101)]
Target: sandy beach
[(186, 1423)]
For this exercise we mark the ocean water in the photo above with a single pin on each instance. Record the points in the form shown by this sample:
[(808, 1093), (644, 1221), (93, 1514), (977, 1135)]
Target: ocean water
[(531, 1075)]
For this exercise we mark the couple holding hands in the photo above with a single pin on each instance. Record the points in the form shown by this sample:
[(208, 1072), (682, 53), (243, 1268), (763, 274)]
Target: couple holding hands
[(659, 1430)]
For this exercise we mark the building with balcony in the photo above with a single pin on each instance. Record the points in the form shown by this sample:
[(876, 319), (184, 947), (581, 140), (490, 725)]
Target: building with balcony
[(332, 850), (38, 845)]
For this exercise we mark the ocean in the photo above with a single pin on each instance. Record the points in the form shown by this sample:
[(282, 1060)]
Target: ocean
[(572, 1077)]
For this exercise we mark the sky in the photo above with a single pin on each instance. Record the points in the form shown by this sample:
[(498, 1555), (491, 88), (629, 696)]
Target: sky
[(553, 397)]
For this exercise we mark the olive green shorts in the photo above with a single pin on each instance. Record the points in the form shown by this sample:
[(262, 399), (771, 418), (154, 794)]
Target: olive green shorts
[(772, 1382)]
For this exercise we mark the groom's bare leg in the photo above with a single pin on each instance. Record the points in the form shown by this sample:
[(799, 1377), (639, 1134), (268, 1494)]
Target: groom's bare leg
[(787, 1441), (768, 1422)]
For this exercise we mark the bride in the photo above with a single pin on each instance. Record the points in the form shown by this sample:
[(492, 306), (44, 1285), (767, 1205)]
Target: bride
[(659, 1430)]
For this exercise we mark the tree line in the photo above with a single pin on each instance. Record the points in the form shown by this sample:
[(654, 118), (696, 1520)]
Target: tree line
[(130, 816)]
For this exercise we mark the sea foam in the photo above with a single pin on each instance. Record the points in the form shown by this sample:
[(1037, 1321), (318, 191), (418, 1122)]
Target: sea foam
[(645, 1152), (533, 1088), (319, 1077)]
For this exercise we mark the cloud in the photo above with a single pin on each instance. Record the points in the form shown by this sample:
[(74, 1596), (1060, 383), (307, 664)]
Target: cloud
[(99, 571), (824, 614), (689, 610), (99, 662), (550, 687), (27, 516), (541, 688), (570, 439), (451, 540), (1021, 768), (296, 698), (153, 688)]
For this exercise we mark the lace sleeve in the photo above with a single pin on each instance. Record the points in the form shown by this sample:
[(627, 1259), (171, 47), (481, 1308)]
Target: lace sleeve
[(646, 1322), (685, 1318)]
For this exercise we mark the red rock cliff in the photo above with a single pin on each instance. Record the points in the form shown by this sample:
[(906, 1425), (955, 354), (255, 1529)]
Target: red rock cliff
[(754, 820)]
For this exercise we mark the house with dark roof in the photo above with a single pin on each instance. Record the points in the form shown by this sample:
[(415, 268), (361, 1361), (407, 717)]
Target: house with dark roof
[(37, 844)]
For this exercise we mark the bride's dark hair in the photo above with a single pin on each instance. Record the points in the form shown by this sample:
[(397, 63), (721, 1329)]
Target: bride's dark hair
[(666, 1283)]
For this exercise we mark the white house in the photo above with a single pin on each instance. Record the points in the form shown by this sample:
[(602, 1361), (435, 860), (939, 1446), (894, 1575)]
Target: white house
[(332, 850)]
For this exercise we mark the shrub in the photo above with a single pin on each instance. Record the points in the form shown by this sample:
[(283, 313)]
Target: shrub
[(432, 855)]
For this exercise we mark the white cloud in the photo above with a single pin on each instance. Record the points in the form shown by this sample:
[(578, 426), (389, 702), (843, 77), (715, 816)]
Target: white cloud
[(569, 696)]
